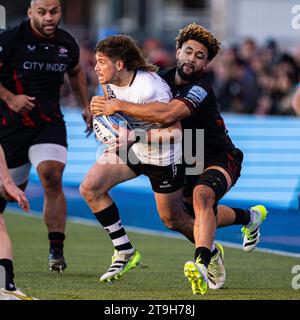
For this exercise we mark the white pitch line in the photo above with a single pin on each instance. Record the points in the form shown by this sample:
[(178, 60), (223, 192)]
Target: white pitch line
[(88, 222)]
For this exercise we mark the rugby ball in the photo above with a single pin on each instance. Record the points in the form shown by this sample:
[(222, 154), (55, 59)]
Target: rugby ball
[(103, 126)]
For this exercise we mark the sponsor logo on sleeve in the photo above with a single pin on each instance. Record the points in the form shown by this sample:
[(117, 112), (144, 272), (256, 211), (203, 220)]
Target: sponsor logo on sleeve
[(196, 94)]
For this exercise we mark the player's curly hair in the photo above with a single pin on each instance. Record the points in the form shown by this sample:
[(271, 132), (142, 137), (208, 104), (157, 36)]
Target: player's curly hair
[(122, 47), (198, 33)]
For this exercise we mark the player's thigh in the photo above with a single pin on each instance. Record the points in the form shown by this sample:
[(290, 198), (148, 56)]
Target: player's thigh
[(49, 160), (223, 172), (211, 186), (188, 187), (228, 163), (20, 175), (15, 143), (50, 146), (166, 182), (169, 205), (48, 152), (45, 156), (108, 171)]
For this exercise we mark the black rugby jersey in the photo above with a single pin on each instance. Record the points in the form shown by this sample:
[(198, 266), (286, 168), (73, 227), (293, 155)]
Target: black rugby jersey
[(35, 66), (199, 97)]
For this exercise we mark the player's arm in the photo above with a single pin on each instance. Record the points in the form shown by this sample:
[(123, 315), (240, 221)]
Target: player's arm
[(171, 135), (164, 113), (9, 186), (18, 103), (79, 86), (296, 102)]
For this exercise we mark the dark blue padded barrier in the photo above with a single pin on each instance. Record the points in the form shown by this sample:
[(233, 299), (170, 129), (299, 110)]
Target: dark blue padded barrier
[(271, 169)]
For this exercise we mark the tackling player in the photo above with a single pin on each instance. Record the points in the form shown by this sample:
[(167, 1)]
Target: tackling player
[(34, 58)]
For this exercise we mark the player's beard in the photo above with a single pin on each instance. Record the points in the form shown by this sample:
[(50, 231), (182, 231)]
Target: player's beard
[(187, 76), (40, 28)]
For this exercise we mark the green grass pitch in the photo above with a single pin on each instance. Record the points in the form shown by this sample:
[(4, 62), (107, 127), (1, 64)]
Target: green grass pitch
[(88, 253)]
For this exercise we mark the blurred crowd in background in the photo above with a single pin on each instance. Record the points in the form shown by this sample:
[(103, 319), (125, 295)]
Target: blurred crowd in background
[(247, 77), (252, 76)]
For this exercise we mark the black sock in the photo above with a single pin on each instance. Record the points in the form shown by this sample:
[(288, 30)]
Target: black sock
[(9, 274), (108, 216), (242, 217), (204, 254), (188, 208), (215, 251), (56, 240), (3, 204), (110, 220)]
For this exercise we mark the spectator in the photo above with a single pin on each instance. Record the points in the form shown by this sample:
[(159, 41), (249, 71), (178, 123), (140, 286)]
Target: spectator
[(157, 54)]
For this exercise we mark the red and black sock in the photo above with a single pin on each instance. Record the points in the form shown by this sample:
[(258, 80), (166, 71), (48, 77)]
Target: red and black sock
[(56, 240)]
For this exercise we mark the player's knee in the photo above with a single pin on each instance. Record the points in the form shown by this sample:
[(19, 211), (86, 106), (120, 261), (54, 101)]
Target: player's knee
[(89, 192), (171, 222), (85, 190), (203, 196), (51, 180)]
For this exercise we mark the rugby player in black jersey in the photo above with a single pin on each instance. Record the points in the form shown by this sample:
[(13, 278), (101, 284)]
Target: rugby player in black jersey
[(34, 57), (195, 105)]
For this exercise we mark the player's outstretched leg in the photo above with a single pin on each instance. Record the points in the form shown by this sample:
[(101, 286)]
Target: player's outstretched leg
[(216, 269), (251, 232)]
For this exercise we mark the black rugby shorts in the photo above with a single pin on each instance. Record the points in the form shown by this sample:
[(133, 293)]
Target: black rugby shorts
[(17, 141)]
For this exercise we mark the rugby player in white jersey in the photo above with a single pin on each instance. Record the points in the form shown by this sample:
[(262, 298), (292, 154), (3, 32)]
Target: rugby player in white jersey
[(126, 75)]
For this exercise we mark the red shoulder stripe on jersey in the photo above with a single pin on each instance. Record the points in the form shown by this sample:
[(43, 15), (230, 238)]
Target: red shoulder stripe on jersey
[(188, 103)]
